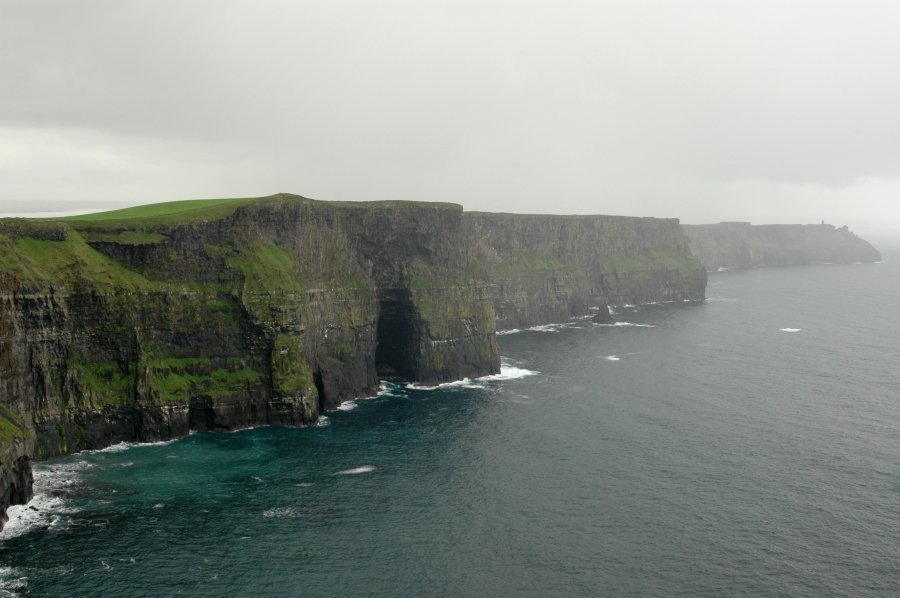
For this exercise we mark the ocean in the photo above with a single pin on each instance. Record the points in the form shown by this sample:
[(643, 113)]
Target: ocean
[(746, 445)]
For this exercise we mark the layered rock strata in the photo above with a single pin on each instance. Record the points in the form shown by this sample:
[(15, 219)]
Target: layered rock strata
[(551, 268)]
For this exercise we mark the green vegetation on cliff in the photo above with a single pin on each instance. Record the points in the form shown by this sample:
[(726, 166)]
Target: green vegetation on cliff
[(11, 425), (105, 383), (291, 374), (180, 379), (684, 263), (65, 262), (265, 268)]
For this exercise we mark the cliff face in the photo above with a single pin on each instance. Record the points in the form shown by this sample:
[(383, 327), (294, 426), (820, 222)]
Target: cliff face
[(742, 245), (146, 323), (266, 313), (550, 268)]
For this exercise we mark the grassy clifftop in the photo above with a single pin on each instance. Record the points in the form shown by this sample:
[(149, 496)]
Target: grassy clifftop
[(166, 212), (198, 210), (82, 249)]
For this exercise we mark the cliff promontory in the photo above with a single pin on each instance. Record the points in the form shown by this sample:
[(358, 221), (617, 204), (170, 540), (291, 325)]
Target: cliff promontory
[(146, 323), (742, 245)]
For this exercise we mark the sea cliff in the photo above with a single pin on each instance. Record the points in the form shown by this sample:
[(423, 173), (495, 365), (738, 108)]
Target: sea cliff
[(550, 268), (742, 245), (143, 324)]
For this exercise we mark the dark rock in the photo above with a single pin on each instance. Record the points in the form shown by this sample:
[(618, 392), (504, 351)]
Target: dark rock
[(550, 268), (15, 476), (603, 316)]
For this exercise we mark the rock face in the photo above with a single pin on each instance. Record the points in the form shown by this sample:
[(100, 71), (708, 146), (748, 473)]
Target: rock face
[(551, 268), (216, 315), (742, 245)]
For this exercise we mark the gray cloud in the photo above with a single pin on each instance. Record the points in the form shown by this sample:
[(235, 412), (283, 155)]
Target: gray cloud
[(707, 110)]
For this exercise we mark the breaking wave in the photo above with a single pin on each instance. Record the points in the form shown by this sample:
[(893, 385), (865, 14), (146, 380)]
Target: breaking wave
[(48, 507), (548, 327), (385, 389), (464, 383), (508, 371), (124, 446)]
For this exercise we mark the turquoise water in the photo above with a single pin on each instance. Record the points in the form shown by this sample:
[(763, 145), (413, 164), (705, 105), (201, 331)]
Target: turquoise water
[(750, 444)]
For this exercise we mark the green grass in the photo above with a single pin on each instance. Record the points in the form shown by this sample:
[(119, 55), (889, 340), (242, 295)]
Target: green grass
[(106, 382), (527, 262), (291, 374), (11, 426), (167, 212), (125, 237), (654, 260), (210, 209), (266, 268), (178, 379), (65, 262)]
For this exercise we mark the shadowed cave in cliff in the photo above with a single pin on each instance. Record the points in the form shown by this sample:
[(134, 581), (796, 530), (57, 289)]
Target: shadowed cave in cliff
[(397, 335), (320, 388)]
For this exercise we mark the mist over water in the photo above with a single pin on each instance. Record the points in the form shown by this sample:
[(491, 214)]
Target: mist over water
[(748, 444)]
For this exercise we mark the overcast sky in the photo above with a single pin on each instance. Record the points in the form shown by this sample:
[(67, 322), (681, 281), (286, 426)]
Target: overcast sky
[(708, 110)]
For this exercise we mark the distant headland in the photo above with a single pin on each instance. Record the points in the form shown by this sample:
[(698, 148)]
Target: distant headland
[(742, 245)]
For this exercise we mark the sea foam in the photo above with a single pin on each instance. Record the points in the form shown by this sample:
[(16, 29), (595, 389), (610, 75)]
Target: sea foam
[(464, 383), (279, 513), (12, 580), (124, 446), (356, 470), (46, 509), (508, 371), (548, 328)]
